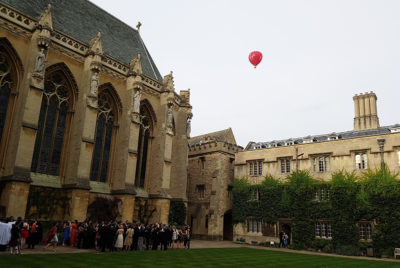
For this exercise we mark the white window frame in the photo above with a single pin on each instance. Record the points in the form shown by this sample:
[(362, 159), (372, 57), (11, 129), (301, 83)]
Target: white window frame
[(318, 229), (361, 161), (254, 225), (323, 229), (365, 231), (285, 165), (321, 164), (255, 168)]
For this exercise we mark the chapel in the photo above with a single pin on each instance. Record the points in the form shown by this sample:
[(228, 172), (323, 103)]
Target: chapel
[(86, 116)]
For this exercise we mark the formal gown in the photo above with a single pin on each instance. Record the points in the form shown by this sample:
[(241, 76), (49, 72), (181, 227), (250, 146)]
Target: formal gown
[(120, 239)]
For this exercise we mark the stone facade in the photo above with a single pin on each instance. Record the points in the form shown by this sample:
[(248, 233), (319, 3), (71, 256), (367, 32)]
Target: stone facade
[(368, 146), (210, 181), (101, 91)]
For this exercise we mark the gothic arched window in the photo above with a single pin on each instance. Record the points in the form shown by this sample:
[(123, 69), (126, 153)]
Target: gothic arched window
[(145, 133), (6, 84), (106, 120), (10, 73), (53, 121)]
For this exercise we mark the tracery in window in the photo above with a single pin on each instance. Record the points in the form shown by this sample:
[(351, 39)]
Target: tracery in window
[(52, 126), (144, 143), (106, 120), (10, 74), (6, 84)]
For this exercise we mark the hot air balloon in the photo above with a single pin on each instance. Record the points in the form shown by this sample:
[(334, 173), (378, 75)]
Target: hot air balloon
[(255, 58)]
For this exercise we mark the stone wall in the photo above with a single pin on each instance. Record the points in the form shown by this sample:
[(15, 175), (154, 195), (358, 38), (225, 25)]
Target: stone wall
[(210, 166)]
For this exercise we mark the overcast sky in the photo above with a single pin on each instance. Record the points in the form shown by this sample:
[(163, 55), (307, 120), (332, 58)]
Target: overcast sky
[(316, 56)]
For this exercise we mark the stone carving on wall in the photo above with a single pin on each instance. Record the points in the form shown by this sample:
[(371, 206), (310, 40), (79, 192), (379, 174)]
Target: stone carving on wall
[(136, 101), (40, 61), (168, 82), (135, 66), (135, 111), (94, 84), (170, 118), (96, 45), (188, 127)]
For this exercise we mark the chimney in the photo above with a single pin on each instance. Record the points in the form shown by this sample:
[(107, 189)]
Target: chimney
[(365, 112)]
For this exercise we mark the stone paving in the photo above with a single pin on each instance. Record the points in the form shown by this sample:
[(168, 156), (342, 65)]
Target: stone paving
[(195, 244)]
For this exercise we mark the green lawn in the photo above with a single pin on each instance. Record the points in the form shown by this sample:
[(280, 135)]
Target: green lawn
[(237, 257)]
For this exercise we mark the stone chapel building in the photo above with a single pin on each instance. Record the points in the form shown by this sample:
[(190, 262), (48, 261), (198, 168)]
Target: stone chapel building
[(85, 112)]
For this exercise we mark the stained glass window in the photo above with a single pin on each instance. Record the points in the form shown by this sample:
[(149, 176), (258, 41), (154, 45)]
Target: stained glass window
[(143, 146), (103, 137), (52, 125), (6, 84)]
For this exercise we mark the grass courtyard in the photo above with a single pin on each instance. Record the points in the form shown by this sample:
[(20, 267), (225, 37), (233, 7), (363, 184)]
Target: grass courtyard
[(224, 257)]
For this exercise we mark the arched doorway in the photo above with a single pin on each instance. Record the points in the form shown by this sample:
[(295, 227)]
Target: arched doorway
[(286, 228), (228, 227)]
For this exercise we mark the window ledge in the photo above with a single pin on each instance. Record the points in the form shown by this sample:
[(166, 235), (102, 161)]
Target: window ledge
[(99, 187), (323, 237), (45, 180)]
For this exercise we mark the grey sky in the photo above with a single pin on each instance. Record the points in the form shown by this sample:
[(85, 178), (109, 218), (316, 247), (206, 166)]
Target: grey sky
[(316, 56)]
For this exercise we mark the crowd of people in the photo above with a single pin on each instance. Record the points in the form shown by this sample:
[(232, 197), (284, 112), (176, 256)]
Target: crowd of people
[(102, 236)]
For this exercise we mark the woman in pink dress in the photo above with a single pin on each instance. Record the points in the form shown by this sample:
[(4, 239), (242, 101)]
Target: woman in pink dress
[(74, 232)]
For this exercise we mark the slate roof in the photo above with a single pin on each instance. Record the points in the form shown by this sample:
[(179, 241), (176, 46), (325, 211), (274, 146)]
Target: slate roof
[(222, 135), (82, 20), (324, 137)]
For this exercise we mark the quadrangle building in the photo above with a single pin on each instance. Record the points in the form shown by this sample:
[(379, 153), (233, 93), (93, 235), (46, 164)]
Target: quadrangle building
[(85, 112), (368, 146)]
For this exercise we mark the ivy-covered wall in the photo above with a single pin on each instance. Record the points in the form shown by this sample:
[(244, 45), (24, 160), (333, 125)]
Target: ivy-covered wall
[(343, 201), (47, 203)]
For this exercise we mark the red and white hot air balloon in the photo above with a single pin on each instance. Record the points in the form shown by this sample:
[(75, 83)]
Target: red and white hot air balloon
[(255, 58)]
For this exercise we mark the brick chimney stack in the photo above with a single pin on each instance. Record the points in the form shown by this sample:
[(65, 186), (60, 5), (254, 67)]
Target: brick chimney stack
[(365, 112)]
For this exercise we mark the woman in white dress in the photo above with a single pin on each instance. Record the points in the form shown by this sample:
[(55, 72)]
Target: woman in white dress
[(119, 244)]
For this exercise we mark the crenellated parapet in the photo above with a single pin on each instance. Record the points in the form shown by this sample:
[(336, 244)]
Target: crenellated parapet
[(211, 145)]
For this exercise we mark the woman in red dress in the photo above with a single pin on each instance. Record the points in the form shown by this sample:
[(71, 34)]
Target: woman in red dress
[(74, 232), (24, 234), (51, 239)]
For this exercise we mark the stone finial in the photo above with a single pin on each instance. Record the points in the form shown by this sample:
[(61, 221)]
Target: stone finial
[(135, 66), (96, 45), (168, 82), (45, 19), (45, 26), (138, 25)]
